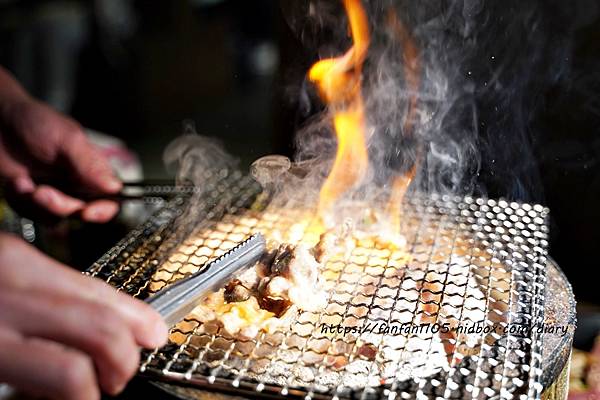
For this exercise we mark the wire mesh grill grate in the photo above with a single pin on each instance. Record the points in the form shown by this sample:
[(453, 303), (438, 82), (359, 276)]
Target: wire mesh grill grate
[(468, 263)]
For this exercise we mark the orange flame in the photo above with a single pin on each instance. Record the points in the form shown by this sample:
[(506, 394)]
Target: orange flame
[(339, 83)]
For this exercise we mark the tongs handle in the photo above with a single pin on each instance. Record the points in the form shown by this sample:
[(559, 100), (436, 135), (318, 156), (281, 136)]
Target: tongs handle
[(177, 300)]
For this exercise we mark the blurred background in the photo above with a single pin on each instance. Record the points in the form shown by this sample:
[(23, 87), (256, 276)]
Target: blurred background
[(131, 72), (135, 70)]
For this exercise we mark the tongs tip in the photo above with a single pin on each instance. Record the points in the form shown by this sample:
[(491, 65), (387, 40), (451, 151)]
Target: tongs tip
[(178, 299)]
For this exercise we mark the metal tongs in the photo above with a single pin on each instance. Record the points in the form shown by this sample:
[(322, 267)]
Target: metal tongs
[(177, 300)]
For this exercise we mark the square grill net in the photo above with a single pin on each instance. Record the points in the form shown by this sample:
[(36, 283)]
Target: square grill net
[(468, 263)]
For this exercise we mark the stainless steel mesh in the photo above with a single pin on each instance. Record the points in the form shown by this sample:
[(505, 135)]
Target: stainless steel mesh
[(469, 263)]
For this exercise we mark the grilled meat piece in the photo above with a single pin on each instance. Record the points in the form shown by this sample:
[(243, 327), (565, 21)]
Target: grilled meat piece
[(294, 277), (262, 298), (276, 286), (367, 351), (235, 292), (285, 255), (327, 242), (263, 267), (272, 295), (276, 305)]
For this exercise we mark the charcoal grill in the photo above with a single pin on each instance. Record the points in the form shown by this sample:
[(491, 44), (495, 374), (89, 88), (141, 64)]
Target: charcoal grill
[(451, 243)]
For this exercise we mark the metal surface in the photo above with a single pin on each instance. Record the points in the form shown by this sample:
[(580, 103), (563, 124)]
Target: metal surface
[(467, 261), (559, 310), (176, 301)]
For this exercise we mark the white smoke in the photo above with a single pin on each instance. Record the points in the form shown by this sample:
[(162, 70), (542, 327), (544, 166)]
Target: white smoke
[(481, 67)]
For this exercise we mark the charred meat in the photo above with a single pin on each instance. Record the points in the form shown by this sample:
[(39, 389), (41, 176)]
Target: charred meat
[(284, 280)]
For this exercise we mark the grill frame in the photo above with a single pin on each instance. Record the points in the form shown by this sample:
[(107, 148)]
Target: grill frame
[(225, 193)]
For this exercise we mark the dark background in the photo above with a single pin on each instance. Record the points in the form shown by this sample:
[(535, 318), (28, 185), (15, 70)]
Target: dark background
[(137, 69)]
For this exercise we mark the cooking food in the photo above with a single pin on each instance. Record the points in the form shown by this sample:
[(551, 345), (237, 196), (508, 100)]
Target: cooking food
[(285, 280), (447, 269), (352, 277), (288, 278)]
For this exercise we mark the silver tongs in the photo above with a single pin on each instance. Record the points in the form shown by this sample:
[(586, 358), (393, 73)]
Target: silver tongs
[(177, 300)]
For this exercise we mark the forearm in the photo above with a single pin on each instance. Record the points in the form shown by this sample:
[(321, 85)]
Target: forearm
[(11, 93)]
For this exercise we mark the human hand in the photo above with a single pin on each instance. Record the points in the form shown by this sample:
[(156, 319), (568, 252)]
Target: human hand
[(39, 145), (64, 335)]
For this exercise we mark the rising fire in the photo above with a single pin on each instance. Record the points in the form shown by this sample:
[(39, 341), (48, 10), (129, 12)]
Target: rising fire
[(339, 83)]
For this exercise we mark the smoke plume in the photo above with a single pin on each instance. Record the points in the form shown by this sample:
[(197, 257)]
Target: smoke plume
[(450, 89), (191, 156)]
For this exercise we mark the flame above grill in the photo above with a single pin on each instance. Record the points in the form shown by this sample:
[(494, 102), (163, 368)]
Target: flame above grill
[(339, 83)]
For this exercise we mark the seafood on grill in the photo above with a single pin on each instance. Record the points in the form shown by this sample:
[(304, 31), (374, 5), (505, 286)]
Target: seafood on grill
[(266, 297), (287, 278), (349, 276)]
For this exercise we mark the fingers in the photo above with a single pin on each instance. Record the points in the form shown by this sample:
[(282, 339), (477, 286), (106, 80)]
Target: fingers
[(41, 142), (41, 202), (47, 369), (52, 139), (56, 201), (91, 169), (100, 211), (28, 195), (147, 326), (89, 165), (98, 328), (92, 328), (23, 184)]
